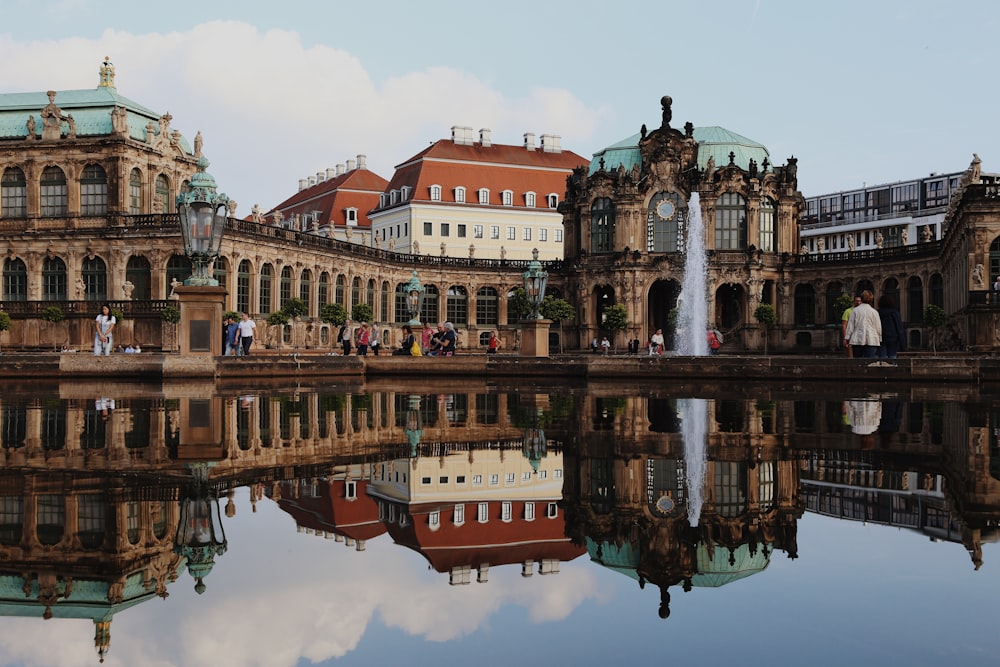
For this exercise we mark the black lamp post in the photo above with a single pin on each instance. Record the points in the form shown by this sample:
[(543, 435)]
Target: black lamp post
[(202, 214), (414, 299), (535, 280)]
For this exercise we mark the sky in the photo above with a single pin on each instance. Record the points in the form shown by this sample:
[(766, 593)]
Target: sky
[(860, 92)]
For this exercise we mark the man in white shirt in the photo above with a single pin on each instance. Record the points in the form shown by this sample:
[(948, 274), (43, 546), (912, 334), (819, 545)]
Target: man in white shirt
[(246, 327)]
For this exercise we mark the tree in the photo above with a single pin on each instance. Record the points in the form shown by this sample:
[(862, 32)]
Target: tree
[(766, 316), (518, 304), (935, 318), (171, 314), (842, 303), (556, 309), (295, 308), (616, 318), (277, 318), (333, 313), (53, 314), (362, 312)]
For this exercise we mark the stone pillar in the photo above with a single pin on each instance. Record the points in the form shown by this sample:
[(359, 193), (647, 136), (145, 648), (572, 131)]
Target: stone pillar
[(199, 330), (535, 338)]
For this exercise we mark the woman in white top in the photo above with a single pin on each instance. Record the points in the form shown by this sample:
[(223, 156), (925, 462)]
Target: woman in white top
[(104, 324), (656, 343)]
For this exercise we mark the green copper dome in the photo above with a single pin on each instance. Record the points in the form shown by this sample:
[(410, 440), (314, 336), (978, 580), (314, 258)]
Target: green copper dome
[(714, 141)]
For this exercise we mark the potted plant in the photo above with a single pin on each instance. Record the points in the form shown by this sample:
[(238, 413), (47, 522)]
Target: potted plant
[(767, 318), (935, 318), (557, 310)]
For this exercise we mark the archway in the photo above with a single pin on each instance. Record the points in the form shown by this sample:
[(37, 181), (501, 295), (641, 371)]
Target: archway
[(729, 305), (662, 299)]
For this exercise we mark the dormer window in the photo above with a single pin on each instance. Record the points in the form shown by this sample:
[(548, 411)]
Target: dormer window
[(529, 199), (508, 197), (383, 199), (404, 192), (553, 200), (435, 193), (484, 195), (393, 197), (460, 195), (352, 217)]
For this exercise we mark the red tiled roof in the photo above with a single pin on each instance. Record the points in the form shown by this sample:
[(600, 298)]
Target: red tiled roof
[(358, 188), (496, 168)]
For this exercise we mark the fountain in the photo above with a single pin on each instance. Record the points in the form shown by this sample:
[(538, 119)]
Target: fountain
[(692, 304), (694, 426)]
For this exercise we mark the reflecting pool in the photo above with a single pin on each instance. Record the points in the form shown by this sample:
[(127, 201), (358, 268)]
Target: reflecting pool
[(189, 524)]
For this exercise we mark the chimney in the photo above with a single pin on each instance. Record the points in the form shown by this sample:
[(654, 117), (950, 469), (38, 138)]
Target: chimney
[(312, 181), (484, 137), (461, 135), (320, 176), (340, 169), (350, 165), (529, 141), (550, 143), (362, 162), (330, 173), (303, 184)]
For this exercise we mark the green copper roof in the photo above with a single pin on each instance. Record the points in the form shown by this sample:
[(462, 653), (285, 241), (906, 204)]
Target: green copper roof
[(713, 141), (623, 559), (89, 598), (715, 570), (91, 111)]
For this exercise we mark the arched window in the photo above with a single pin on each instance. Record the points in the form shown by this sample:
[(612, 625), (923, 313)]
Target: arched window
[(370, 295), (51, 512), (915, 300), (15, 280), (833, 292), (602, 225), (355, 292), (178, 270), (93, 190), (401, 313), (137, 272), (765, 238), (266, 300), (730, 222), (663, 223), (994, 262), (305, 287), (891, 288), (53, 192), (243, 278), (864, 285), (457, 307), (285, 287), (13, 194), (384, 314), (161, 199), (95, 277), (220, 270), (936, 290), (135, 192), (429, 308), (338, 293), (805, 305), (487, 311), (53, 279), (323, 289)]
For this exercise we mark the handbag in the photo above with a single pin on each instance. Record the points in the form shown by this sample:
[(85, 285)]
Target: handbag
[(415, 350)]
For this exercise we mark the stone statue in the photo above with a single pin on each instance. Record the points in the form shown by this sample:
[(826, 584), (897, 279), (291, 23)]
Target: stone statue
[(107, 74), (198, 141), (977, 277), (472, 250), (444, 248), (975, 169), (119, 120), (392, 244), (926, 235), (31, 126), (709, 169), (503, 252), (850, 242), (231, 207), (52, 119), (905, 236), (278, 216), (820, 244), (665, 102), (255, 214), (804, 249), (150, 132), (173, 288), (879, 239), (80, 289), (72, 127), (127, 288)]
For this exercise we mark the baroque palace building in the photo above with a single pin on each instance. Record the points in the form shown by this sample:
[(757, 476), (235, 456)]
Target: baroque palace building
[(88, 180)]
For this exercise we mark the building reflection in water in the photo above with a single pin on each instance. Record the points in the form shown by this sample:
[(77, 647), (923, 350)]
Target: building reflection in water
[(105, 502)]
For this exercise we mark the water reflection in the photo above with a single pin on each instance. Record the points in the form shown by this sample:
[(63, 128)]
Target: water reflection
[(106, 502)]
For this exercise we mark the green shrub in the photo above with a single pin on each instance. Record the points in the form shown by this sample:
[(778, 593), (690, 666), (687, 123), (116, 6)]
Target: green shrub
[(53, 314), (118, 314), (277, 318), (4, 321), (295, 308), (362, 313), (333, 313), (171, 314), (766, 315)]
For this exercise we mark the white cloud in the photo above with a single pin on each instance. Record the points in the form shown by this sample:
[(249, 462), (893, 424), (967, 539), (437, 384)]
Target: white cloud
[(273, 110)]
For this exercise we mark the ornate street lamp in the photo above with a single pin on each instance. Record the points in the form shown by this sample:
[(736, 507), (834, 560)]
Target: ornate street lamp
[(535, 280), (200, 535), (534, 446), (414, 424), (203, 218), (414, 299)]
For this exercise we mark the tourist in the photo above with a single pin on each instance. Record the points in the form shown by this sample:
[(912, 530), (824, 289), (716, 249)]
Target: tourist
[(409, 347), (714, 339), (344, 337), (104, 324), (362, 337), (605, 345), (843, 323), (375, 339), (864, 329), (246, 329), (444, 342), (426, 336), (495, 344), (656, 343), (434, 344), (232, 337), (593, 346), (893, 334)]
